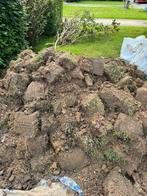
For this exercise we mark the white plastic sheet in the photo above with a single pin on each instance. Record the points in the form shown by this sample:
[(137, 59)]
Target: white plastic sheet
[(134, 51), (56, 189)]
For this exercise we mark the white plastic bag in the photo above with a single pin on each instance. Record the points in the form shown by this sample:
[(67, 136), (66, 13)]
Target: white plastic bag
[(134, 51)]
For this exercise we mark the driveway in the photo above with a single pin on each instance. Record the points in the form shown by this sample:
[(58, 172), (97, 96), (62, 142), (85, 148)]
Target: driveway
[(123, 22)]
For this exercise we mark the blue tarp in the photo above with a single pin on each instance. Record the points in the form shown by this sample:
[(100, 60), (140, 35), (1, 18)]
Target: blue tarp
[(134, 51)]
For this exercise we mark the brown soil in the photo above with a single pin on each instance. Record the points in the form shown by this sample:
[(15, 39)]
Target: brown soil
[(74, 116)]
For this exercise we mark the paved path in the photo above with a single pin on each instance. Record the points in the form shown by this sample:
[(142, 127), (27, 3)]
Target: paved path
[(123, 22), (90, 5), (133, 5)]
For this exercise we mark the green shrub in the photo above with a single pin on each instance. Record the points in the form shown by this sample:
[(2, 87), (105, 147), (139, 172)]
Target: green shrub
[(54, 17), (37, 11), (43, 17), (83, 26), (12, 30)]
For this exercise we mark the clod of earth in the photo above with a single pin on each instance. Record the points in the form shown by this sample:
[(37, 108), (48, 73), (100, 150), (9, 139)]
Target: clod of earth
[(74, 116)]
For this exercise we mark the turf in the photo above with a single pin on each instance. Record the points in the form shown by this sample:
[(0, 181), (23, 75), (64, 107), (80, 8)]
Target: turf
[(106, 12)]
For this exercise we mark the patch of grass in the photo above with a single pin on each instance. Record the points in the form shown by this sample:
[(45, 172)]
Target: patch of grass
[(112, 156), (121, 136), (44, 42), (44, 106), (94, 144), (4, 123), (69, 128), (91, 150), (106, 46), (99, 149), (105, 12)]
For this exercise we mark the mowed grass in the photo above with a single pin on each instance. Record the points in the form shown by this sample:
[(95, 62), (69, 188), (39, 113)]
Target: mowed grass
[(106, 46), (106, 12)]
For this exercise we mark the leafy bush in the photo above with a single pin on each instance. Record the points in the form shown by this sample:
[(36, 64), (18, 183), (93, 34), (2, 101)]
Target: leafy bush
[(54, 17), (86, 26), (43, 16), (37, 11), (12, 30)]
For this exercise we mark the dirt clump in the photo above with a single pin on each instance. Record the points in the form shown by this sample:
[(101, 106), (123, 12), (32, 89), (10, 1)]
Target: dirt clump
[(75, 116)]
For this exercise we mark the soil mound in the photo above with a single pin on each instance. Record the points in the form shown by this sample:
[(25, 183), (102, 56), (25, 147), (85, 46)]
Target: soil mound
[(80, 117)]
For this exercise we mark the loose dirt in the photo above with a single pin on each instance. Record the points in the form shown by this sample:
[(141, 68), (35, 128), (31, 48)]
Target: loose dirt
[(80, 117)]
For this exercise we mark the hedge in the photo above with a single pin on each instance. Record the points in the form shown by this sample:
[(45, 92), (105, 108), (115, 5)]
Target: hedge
[(43, 17), (12, 30), (26, 19)]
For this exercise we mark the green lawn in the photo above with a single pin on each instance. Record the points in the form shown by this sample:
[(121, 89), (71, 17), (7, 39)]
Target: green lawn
[(106, 12), (107, 46)]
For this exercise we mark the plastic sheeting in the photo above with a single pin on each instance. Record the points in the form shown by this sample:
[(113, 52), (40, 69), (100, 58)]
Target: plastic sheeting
[(134, 51), (56, 189), (43, 189)]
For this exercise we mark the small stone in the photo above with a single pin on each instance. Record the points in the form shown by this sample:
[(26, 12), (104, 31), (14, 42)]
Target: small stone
[(56, 141), (77, 74), (54, 166), (11, 179), (1, 172), (56, 172), (78, 116), (104, 167), (88, 80), (66, 147)]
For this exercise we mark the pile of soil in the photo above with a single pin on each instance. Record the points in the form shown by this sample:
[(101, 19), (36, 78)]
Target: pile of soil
[(80, 117)]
